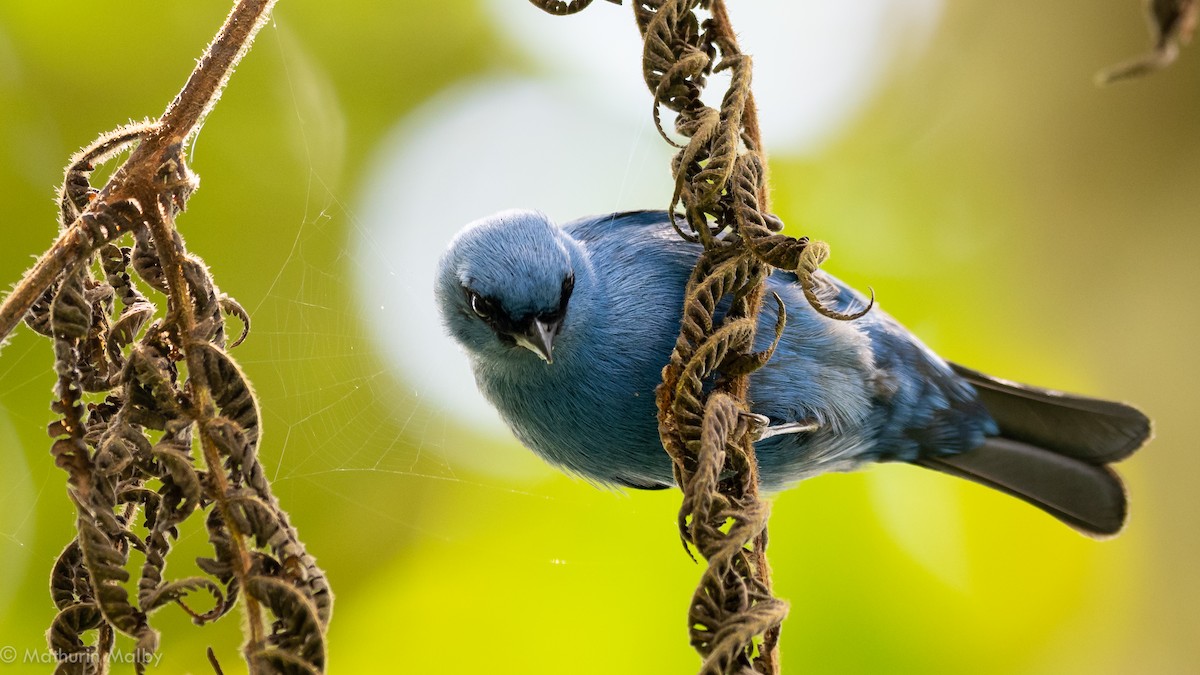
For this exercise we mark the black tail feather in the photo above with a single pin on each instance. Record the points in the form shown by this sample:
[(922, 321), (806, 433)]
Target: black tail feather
[(1089, 429), (1087, 497), (1052, 451)]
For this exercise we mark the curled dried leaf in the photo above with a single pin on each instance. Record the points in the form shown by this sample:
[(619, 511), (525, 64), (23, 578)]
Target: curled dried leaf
[(114, 455), (126, 329), (744, 364), (1172, 23), (233, 308), (720, 182), (231, 390), (178, 591), (280, 662), (69, 583), (297, 637), (101, 224), (115, 261), (815, 254), (269, 526), (105, 559), (70, 312), (146, 262), (153, 395), (69, 449), (183, 483), (220, 565), (38, 317), (210, 324), (77, 192), (66, 642)]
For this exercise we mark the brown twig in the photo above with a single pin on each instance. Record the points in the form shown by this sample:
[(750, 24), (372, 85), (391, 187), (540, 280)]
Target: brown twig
[(65, 253), (180, 121)]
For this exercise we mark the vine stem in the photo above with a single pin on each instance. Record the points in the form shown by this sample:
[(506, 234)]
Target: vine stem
[(202, 408), (754, 143), (740, 385), (180, 122)]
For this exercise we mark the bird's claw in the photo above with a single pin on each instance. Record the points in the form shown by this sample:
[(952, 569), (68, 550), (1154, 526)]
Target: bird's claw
[(760, 427)]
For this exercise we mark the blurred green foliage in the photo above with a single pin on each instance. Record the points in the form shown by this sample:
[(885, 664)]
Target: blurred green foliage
[(1019, 219)]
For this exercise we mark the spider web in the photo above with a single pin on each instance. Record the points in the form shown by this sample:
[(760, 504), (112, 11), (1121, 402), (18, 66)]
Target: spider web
[(336, 412), (329, 405)]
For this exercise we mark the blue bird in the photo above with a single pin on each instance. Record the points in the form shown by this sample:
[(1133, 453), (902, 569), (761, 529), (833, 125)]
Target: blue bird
[(568, 329)]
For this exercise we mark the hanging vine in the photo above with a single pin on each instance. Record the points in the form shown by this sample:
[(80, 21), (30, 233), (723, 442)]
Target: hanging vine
[(155, 421), (721, 187)]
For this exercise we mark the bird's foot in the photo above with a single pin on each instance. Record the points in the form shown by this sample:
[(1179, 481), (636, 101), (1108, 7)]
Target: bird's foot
[(760, 427)]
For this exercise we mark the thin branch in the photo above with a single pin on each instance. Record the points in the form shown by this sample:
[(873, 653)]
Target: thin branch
[(66, 252), (185, 114), (179, 123)]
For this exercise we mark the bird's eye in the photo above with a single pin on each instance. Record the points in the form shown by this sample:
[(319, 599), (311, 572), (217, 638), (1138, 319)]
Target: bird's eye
[(477, 304), (568, 285)]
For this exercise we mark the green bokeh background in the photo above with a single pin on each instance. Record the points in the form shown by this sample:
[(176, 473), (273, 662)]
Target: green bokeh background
[(1018, 218)]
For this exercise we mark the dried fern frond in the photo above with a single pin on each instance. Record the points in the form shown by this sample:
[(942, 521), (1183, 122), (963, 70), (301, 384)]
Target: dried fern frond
[(156, 422), (704, 421)]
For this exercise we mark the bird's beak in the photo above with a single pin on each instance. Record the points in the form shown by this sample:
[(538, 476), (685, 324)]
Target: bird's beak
[(539, 338)]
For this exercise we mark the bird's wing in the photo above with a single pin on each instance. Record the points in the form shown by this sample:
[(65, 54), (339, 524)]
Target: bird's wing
[(622, 224), (921, 406)]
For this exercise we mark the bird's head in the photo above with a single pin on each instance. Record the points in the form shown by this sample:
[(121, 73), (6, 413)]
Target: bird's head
[(505, 283)]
